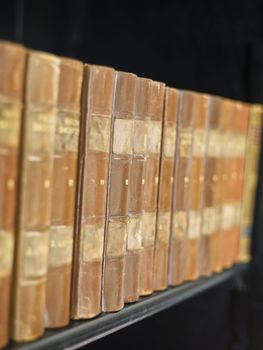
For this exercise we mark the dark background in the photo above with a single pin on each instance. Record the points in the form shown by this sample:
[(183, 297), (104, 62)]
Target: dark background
[(212, 46)]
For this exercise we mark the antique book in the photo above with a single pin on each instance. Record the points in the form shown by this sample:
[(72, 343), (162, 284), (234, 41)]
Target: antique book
[(12, 71), (165, 190), (92, 183), (63, 194), (254, 137), (136, 190), (117, 201), (179, 225), (196, 185), (151, 177), (237, 131), (34, 195), (211, 237)]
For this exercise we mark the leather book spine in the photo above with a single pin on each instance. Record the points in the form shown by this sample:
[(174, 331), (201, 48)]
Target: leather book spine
[(34, 195), (165, 190), (179, 226), (63, 194), (196, 191), (136, 192), (254, 137), (92, 183), (210, 237), (12, 71), (152, 169), (117, 201)]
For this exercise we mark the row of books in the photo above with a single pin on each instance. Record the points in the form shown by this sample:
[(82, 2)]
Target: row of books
[(111, 187)]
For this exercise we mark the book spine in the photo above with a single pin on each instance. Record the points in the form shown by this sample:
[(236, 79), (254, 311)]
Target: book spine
[(196, 191), (165, 190), (12, 68), (179, 226), (63, 194), (92, 183), (211, 207), (254, 137), (152, 169), (119, 181), (34, 202), (136, 191)]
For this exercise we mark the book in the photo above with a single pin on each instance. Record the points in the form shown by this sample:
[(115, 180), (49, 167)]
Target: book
[(196, 186), (254, 137), (211, 237), (180, 207), (151, 176), (136, 191), (12, 71), (63, 194), (165, 190), (92, 183), (118, 191), (34, 195)]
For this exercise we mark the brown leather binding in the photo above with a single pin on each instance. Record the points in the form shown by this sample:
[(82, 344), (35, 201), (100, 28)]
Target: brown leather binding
[(34, 202), (165, 190), (152, 170), (119, 182), (12, 66), (92, 180), (136, 190), (63, 194), (179, 226), (196, 175)]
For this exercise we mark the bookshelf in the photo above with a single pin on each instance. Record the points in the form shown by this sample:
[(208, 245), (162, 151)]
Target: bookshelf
[(81, 333)]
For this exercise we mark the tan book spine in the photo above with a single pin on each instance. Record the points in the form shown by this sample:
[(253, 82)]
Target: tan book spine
[(34, 196), (92, 182), (63, 194), (254, 137), (152, 169), (136, 191), (12, 71), (165, 190), (119, 181), (179, 226), (211, 239), (196, 176)]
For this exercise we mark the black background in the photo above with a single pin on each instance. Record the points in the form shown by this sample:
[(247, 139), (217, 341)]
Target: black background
[(212, 46)]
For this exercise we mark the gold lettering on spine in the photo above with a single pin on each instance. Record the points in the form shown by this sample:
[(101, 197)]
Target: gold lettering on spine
[(116, 239), (179, 225), (9, 124), (67, 131), (134, 233), (169, 140), (163, 227), (185, 142), (60, 245), (140, 137), (99, 133), (122, 140), (148, 228), (154, 136), (6, 252), (194, 228), (198, 143), (93, 236)]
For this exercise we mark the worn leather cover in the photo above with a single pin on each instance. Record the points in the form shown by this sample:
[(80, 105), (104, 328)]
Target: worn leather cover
[(136, 191), (165, 190), (63, 194), (34, 195), (254, 137), (12, 67), (117, 202), (180, 206), (152, 169), (196, 175), (92, 182)]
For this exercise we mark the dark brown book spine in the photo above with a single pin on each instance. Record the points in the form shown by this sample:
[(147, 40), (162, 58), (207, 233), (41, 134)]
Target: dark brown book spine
[(63, 194), (179, 228), (196, 176), (152, 169), (165, 190), (136, 190), (34, 190), (12, 67), (119, 182), (211, 240), (92, 182)]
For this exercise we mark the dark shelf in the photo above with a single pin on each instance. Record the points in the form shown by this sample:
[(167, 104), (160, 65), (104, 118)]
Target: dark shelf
[(80, 333)]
